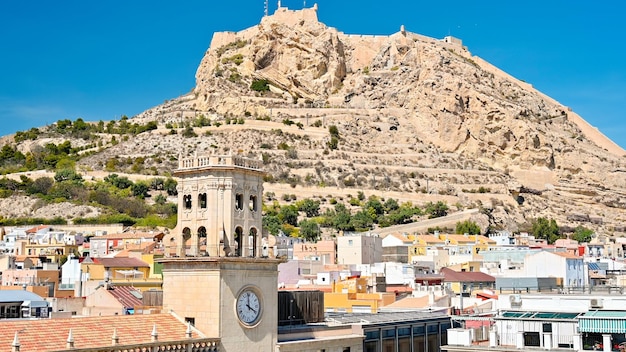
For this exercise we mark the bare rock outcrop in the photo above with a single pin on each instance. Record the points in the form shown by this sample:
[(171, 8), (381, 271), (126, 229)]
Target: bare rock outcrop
[(419, 119)]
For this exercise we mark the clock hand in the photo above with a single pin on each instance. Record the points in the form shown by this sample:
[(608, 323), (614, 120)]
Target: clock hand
[(252, 309)]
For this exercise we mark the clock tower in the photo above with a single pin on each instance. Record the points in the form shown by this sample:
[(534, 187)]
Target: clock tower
[(216, 273)]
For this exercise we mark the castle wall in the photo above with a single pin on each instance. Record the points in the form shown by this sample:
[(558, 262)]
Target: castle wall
[(223, 38), (292, 17)]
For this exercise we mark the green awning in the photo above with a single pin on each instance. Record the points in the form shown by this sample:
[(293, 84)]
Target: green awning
[(603, 321)]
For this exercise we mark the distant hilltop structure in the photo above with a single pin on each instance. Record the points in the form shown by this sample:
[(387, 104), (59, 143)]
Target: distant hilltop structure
[(367, 43)]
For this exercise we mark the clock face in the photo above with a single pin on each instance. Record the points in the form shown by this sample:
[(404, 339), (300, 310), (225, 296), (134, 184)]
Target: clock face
[(248, 307)]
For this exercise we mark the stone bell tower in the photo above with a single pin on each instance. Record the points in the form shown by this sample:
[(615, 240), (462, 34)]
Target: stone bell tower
[(215, 273), (219, 207)]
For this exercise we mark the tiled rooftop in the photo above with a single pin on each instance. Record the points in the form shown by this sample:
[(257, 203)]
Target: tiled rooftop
[(129, 235), (91, 332), (128, 296), (466, 276), (121, 262)]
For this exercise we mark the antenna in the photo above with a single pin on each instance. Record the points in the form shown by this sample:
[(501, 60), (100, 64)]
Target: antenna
[(304, 4), (265, 7)]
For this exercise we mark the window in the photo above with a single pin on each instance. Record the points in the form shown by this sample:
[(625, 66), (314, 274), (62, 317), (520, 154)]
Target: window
[(239, 201), (404, 342), (531, 339), (202, 200), (350, 242), (190, 320), (419, 340), (253, 203), (187, 201)]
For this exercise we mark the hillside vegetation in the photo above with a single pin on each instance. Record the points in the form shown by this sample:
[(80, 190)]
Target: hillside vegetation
[(404, 117)]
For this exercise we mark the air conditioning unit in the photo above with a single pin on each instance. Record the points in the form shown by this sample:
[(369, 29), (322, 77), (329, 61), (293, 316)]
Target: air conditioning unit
[(596, 303), (516, 300)]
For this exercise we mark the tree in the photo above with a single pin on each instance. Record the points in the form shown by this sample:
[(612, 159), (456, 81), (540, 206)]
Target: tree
[(309, 230), (189, 132), (139, 189), (310, 207), (468, 227), (260, 85), (157, 183), (289, 215), (67, 175), (117, 181), (401, 215), (40, 185), (272, 224), (548, 230), (341, 218), (333, 130), (333, 143), (582, 234), (65, 163), (375, 204), (160, 199), (362, 220), (170, 186), (436, 210), (391, 205)]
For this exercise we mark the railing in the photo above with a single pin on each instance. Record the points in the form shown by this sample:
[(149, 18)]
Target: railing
[(195, 345), (205, 161), (565, 290)]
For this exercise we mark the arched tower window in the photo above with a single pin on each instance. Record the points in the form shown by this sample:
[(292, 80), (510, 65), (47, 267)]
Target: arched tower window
[(202, 239), (253, 242), (186, 237), (187, 201), (202, 200), (253, 203), (238, 241), (239, 201)]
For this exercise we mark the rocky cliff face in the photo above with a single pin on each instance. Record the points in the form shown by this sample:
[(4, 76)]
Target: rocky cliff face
[(419, 119)]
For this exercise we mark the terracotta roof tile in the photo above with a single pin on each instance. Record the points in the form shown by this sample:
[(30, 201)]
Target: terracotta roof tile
[(127, 296), (568, 255), (466, 276), (144, 247), (401, 237), (90, 332), (460, 238), (129, 235), (429, 239), (37, 228)]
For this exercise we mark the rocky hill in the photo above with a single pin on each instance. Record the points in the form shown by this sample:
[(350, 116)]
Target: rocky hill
[(403, 116)]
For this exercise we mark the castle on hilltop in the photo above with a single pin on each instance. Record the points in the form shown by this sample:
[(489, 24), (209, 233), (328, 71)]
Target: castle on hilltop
[(292, 18)]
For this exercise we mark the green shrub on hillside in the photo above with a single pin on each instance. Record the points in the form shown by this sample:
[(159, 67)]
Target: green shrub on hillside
[(260, 85)]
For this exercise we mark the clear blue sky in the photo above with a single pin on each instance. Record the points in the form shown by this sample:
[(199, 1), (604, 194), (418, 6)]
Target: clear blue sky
[(102, 59)]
